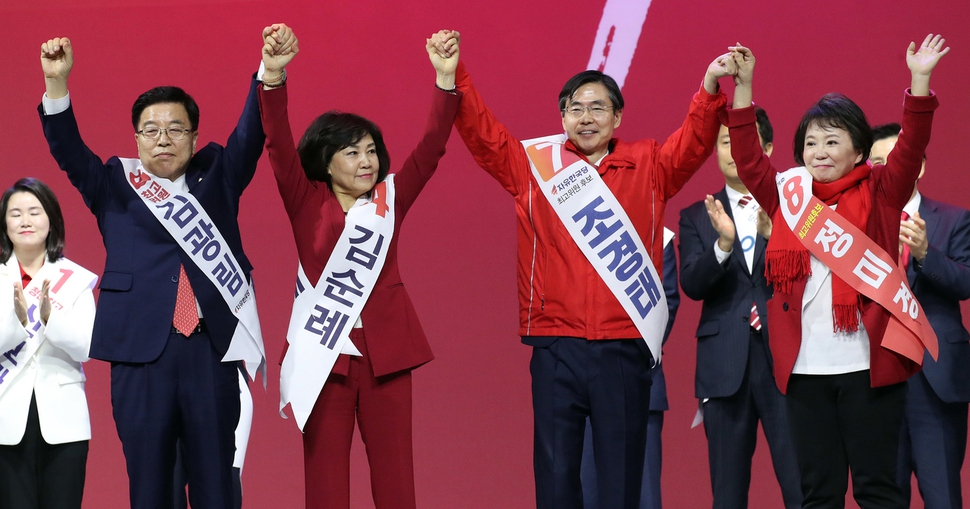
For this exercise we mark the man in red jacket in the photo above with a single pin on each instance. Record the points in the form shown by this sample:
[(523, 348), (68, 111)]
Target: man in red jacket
[(591, 355)]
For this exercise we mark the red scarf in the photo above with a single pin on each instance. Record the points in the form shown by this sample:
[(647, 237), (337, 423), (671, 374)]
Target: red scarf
[(787, 260)]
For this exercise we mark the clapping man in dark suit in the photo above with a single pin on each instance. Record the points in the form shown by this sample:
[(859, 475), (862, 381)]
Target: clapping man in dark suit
[(722, 247), (172, 302), (934, 242)]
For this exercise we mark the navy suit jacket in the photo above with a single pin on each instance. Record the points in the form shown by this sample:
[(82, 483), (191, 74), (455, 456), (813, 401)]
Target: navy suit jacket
[(658, 391), (940, 284), (727, 290), (140, 281)]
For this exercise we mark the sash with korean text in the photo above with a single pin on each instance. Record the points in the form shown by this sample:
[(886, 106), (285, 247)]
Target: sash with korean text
[(604, 233), (323, 315), (68, 281), (851, 255), (187, 221)]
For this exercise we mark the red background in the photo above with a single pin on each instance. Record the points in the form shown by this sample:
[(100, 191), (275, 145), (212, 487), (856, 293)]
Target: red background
[(472, 407)]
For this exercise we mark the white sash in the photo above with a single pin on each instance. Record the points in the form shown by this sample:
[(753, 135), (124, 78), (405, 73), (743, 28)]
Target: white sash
[(190, 225), (68, 281), (601, 228), (323, 315)]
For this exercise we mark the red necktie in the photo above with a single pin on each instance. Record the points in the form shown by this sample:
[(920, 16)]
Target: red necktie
[(904, 255), (186, 316), (755, 319)]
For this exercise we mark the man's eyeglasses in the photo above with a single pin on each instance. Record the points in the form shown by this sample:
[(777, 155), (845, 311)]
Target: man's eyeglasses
[(174, 133), (596, 111)]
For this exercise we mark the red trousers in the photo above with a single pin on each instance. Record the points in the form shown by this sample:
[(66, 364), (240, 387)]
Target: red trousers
[(382, 408)]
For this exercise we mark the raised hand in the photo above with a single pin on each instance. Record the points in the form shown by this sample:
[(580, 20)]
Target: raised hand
[(922, 61), (20, 303), (913, 234), (721, 222), (57, 60), (744, 59), (722, 66), (443, 51), (280, 45), (45, 301)]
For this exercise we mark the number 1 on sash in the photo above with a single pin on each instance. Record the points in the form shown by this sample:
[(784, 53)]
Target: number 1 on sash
[(65, 275)]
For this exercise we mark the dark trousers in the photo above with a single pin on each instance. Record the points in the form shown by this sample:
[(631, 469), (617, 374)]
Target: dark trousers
[(650, 491), (186, 395), (381, 408), (731, 425), (839, 424), (181, 479), (933, 445), (38, 475), (607, 381)]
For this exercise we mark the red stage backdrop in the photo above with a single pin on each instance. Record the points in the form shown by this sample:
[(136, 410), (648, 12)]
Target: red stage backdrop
[(472, 405)]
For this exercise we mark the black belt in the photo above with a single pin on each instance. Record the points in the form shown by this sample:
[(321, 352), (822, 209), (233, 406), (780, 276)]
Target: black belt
[(198, 328)]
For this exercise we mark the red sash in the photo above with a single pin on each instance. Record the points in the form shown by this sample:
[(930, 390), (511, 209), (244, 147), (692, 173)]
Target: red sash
[(855, 258)]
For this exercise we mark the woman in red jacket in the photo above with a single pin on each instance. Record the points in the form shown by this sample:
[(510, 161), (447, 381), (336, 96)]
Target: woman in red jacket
[(346, 209), (844, 387)]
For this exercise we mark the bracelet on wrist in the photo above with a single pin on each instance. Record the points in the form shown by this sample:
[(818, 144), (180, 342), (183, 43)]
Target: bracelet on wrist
[(277, 83)]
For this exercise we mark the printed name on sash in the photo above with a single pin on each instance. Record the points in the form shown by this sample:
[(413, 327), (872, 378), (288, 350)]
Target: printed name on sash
[(855, 258), (324, 314), (187, 221), (604, 233)]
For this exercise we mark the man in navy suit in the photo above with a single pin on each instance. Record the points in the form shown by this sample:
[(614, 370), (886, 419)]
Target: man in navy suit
[(650, 490), (166, 384), (722, 246), (935, 249)]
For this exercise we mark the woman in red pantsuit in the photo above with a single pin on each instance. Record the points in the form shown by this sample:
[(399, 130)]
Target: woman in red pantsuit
[(340, 159)]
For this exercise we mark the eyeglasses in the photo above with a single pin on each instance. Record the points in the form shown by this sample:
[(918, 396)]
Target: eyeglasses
[(596, 111), (174, 133)]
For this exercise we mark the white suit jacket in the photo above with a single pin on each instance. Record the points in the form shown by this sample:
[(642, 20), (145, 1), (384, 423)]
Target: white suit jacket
[(53, 373)]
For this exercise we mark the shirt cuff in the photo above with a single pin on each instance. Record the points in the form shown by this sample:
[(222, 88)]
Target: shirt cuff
[(55, 106), (719, 254)]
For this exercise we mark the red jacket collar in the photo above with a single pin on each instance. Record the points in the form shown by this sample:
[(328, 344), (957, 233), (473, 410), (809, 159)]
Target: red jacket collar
[(618, 158)]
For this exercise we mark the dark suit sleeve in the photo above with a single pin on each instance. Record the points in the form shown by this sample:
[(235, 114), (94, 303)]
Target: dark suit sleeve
[(949, 272), (245, 144), (700, 273), (85, 170), (670, 286)]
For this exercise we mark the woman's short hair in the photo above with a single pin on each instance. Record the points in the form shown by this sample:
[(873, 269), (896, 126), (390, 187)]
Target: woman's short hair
[(835, 111), (332, 132), (55, 236)]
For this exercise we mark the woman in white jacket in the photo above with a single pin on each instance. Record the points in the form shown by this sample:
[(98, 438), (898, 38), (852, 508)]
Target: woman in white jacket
[(46, 319)]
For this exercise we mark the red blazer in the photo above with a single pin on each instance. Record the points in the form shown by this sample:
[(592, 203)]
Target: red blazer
[(395, 340), (891, 187)]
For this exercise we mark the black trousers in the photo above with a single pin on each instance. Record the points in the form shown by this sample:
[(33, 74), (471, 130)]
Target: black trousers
[(932, 446), (38, 475), (608, 381), (731, 426), (840, 424)]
